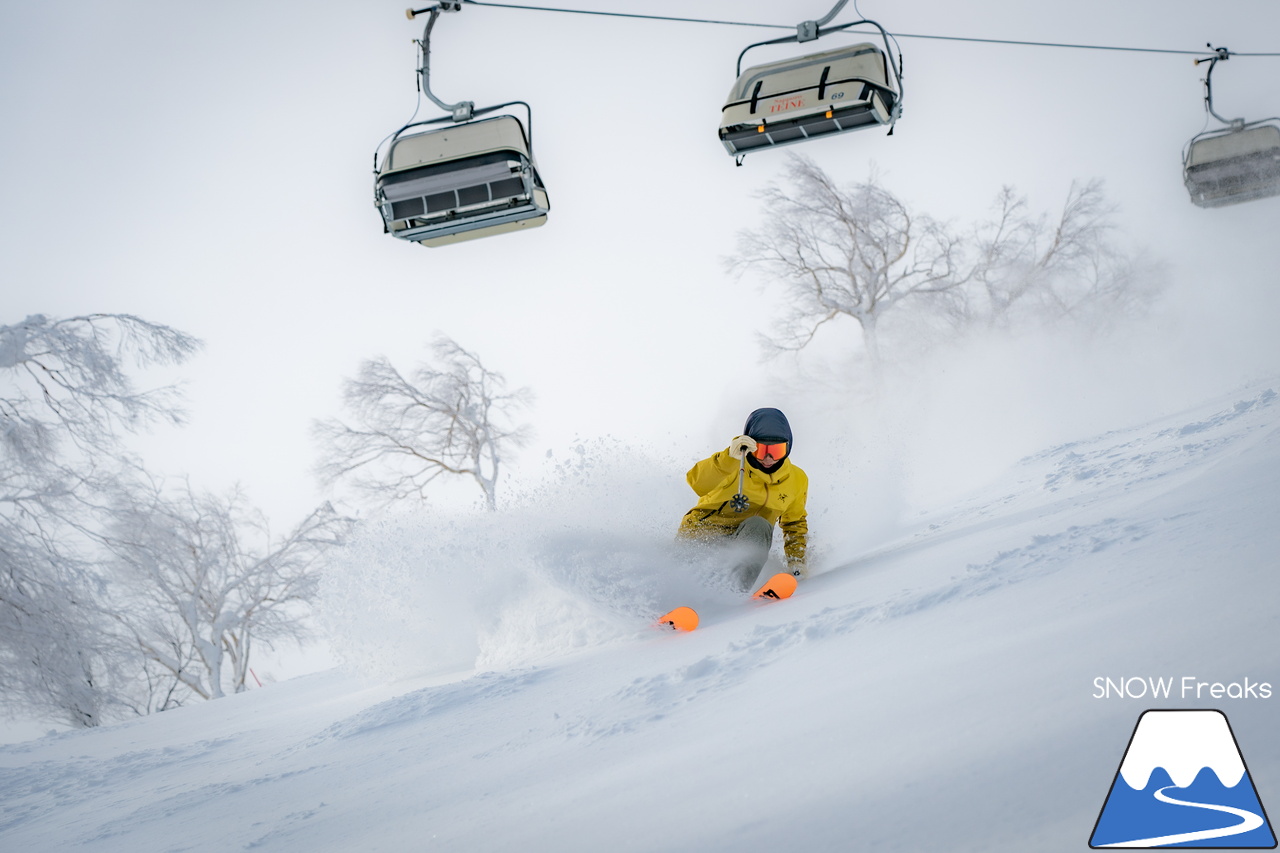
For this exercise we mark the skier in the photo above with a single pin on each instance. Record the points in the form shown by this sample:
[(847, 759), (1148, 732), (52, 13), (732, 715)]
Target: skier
[(747, 488)]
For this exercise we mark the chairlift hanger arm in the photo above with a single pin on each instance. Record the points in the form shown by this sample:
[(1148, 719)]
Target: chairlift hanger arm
[(805, 31), (1220, 54), (462, 110)]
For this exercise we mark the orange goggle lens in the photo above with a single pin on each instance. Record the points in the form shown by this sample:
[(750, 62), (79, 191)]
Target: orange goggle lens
[(777, 451)]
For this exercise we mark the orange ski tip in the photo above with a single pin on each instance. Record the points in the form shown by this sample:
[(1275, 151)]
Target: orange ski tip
[(781, 585), (680, 619)]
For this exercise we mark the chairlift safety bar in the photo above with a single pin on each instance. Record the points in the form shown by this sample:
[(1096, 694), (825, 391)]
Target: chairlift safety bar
[(806, 33), (528, 126), (818, 32)]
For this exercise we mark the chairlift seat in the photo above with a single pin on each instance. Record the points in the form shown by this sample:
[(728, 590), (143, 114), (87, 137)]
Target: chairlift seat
[(460, 182), (1232, 166), (791, 100)]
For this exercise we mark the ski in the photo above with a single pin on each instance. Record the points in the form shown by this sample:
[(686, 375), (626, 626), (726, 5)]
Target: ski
[(680, 619), (776, 588)]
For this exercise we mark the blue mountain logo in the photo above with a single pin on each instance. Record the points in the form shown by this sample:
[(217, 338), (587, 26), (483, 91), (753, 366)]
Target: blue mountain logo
[(1183, 783)]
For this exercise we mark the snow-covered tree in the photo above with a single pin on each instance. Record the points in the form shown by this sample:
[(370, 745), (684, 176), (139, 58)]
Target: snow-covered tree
[(1065, 269), (453, 416), (66, 398), (855, 252), (859, 252), (199, 579)]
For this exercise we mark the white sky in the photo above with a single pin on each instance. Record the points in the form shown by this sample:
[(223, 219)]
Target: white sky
[(208, 166)]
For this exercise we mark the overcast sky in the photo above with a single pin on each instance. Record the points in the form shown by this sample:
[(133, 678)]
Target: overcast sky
[(208, 166)]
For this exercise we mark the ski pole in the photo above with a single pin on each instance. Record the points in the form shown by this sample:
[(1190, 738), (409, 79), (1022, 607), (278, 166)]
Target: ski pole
[(739, 501)]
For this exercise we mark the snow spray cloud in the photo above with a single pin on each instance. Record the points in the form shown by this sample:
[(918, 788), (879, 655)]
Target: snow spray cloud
[(948, 417), (585, 557), (944, 423)]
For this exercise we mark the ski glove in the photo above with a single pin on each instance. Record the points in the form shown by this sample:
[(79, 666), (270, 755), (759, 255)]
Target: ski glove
[(741, 446)]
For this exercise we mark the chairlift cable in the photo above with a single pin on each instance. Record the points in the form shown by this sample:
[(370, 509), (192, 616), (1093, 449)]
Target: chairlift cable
[(900, 35), (630, 15)]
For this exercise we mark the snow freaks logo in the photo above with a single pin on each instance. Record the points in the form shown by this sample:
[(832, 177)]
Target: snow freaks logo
[(1182, 783)]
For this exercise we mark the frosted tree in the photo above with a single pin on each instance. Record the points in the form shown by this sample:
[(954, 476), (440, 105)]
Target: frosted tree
[(1064, 269), (199, 580), (859, 252), (450, 416), (855, 252), (66, 399)]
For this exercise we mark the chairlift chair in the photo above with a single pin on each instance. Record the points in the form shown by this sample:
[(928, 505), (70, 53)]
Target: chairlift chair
[(792, 100), (460, 182), (1239, 162), (473, 178), (1233, 165)]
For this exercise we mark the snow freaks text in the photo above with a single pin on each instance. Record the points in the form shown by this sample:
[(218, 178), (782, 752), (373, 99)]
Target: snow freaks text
[(1186, 687)]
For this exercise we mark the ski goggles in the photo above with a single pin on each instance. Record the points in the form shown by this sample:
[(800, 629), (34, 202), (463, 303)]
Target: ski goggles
[(777, 450)]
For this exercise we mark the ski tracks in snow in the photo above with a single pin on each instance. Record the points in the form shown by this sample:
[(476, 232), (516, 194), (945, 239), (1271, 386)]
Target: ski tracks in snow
[(1102, 485), (35, 792), (1109, 467), (1134, 460), (651, 698), (411, 708)]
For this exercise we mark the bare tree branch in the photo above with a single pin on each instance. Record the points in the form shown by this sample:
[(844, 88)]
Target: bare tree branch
[(199, 581), (66, 398), (859, 252), (450, 417), (1070, 269), (855, 252)]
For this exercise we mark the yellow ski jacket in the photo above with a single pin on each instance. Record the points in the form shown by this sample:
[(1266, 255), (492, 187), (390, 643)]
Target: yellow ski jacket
[(777, 496)]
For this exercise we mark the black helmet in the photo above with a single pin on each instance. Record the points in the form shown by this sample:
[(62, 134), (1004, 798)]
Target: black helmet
[(768, 426)]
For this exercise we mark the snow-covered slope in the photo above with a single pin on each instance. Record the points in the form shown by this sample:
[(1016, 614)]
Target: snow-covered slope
[(936, 693)]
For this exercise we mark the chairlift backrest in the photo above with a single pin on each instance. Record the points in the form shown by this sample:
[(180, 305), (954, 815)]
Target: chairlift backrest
[(1234, 165), (791, 100), (1243, 143)]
